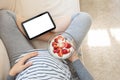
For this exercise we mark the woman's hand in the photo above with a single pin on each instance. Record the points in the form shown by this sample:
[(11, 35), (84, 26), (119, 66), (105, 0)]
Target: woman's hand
[(21, 65), (74, 57)]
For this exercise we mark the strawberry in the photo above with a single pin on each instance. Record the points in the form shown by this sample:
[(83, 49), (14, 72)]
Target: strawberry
[(54, 43), (64, 51), (60, 54), (56, 40), (55, 50), (67, 45), (55, 46)]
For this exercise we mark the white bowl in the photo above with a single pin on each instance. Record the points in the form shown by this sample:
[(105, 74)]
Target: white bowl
[(68, 38)]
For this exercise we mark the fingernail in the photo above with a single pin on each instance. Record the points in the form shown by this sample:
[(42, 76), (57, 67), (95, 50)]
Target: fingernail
[(30, 63), (36, 52)]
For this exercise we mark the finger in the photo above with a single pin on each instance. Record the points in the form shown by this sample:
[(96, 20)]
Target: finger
[(27, 65), (28, 56)]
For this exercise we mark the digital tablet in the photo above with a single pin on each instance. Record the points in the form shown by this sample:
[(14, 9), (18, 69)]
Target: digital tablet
[(38, 25)]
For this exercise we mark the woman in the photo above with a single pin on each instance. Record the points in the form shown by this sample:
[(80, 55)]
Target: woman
[(30, 64)]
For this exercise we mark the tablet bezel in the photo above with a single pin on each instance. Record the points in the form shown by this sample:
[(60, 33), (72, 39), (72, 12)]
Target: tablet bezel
[(34, 18)]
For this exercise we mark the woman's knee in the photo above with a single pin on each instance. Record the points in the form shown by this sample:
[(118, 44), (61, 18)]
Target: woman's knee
[(7, 13), (6, 18), (3, 11), (84, 18)]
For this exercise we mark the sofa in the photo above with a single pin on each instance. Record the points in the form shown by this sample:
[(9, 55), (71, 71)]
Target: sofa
[(28, 9)]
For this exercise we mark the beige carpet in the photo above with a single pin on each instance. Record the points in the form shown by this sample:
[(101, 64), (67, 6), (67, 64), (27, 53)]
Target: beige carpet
[(101, 47)]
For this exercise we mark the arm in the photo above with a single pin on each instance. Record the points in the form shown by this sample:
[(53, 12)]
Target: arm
[(20, 65), (80, 68)]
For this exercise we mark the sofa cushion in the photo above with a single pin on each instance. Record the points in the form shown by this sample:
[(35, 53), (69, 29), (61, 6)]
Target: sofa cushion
[(4, 4), (4, 62)]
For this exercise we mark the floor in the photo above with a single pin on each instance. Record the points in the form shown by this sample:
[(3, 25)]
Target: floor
[(101, 47)]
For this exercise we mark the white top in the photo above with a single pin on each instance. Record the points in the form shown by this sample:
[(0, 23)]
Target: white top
[(30, 8)]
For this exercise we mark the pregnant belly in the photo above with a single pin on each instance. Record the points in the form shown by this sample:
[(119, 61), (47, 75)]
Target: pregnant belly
[(45, 66), (62, 23)]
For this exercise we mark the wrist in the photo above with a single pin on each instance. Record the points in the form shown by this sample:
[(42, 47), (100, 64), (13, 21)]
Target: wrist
[(12, 73), (74, 59)]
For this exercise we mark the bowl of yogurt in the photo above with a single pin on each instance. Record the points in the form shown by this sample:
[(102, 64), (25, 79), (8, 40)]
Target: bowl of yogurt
[(61, 45)]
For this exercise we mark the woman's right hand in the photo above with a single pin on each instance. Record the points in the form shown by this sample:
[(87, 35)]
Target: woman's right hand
[(21, 64)]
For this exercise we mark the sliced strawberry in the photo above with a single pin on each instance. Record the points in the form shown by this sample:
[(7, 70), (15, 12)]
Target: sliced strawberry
[(54, 43), (64, 51), (55, 46), (56, 40), (55, 50), (67, 45), (60, 54)]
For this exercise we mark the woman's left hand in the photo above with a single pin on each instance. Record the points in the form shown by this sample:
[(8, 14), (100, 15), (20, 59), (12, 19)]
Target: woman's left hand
[(21, 65)]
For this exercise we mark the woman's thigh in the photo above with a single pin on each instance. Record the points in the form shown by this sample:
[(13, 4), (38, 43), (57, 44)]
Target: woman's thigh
[(13, 39), (79, 26)]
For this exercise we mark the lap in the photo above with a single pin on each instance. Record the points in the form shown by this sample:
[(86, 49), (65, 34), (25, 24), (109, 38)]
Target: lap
[(12, 38)]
